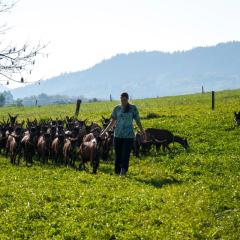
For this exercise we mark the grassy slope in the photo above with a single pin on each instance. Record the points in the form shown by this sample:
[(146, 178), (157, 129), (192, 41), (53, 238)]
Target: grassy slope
[(192, 195)]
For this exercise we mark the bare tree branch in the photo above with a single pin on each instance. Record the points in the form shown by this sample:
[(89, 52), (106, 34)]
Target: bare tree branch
[(6, 6), (14, 62)]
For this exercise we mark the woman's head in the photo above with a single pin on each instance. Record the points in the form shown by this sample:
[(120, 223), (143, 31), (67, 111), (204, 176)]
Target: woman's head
[(124, 98)]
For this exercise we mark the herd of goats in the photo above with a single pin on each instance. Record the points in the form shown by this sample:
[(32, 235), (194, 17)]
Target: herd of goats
[(70, 140)]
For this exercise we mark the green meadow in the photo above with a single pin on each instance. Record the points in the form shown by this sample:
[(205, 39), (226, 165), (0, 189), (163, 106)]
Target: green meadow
[(180, 194)]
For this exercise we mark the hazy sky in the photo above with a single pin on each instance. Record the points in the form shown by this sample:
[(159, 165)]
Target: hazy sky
[(81, 33)]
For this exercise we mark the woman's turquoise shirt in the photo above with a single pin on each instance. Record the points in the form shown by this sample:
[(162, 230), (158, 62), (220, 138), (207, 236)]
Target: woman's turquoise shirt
[(124, 124)]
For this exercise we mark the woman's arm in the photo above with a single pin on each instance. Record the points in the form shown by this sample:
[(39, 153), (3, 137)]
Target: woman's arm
[(139, 124), (112, 122), (110, 125), (137, 120)]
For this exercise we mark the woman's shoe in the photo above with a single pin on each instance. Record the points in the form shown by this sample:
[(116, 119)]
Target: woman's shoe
[(123, 172)]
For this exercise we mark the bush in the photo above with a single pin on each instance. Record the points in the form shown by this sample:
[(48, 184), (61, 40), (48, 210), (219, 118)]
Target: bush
[(19, 102), (151, 115)]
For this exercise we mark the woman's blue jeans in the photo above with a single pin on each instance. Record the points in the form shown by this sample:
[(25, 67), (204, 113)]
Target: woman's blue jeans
[(122, 147)]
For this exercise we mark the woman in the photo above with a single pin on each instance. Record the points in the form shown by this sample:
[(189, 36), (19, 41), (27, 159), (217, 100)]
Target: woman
[(122, 118)]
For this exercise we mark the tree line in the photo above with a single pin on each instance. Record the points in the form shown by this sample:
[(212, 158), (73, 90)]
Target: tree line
[(6, 99)]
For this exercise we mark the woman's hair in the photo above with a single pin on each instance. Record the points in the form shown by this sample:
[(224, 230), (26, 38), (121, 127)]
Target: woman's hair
[(126, 109), (125, 94)]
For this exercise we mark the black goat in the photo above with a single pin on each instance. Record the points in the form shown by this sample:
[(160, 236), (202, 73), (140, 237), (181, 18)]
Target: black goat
[(237, 117)]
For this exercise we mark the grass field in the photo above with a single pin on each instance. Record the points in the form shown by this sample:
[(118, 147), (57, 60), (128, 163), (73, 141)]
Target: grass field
[(181, 195)]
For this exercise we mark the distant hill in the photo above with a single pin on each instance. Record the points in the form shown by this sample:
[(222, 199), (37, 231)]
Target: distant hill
[(149, 74)]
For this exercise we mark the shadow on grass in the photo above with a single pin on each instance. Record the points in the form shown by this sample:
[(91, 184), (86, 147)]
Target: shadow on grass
[(175, 150), (160, 182), (107, 168)]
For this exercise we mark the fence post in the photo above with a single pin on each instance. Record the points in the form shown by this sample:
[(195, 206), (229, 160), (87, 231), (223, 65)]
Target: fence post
[(213, 100), (202, 90), (79, 101)]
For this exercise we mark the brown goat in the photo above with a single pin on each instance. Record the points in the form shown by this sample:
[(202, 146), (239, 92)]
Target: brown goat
[(28, 146), (162, 137), (89, 152), (159, 138), (57, 149), (69, 151), (141, 144), (15, 148), (106, 146), (43, 147)]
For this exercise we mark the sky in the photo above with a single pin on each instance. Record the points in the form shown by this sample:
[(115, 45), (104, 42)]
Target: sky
[(81, 33)]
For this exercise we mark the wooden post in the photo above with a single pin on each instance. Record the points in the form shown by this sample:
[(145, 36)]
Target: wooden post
[(110, 97), (213, 100), (202, 90), (79, 101)]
